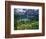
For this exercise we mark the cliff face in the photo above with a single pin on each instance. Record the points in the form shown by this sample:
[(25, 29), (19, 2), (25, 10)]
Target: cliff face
[(26, 14)]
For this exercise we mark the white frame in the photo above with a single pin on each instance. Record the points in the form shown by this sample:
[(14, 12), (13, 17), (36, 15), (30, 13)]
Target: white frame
[(25, 31)]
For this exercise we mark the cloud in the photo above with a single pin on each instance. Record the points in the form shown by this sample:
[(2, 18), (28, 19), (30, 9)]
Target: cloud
[(20, 11)]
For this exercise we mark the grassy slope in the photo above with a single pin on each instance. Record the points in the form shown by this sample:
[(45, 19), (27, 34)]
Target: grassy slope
[(27, 25)]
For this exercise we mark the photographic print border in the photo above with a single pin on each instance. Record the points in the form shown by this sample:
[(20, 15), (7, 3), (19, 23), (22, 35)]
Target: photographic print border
[(8, 19), (29, 30)]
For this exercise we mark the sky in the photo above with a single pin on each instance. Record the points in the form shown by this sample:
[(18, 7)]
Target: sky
[(23, 11)]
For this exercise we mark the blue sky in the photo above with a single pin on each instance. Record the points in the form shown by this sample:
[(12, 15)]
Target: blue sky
[(23, 11)]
